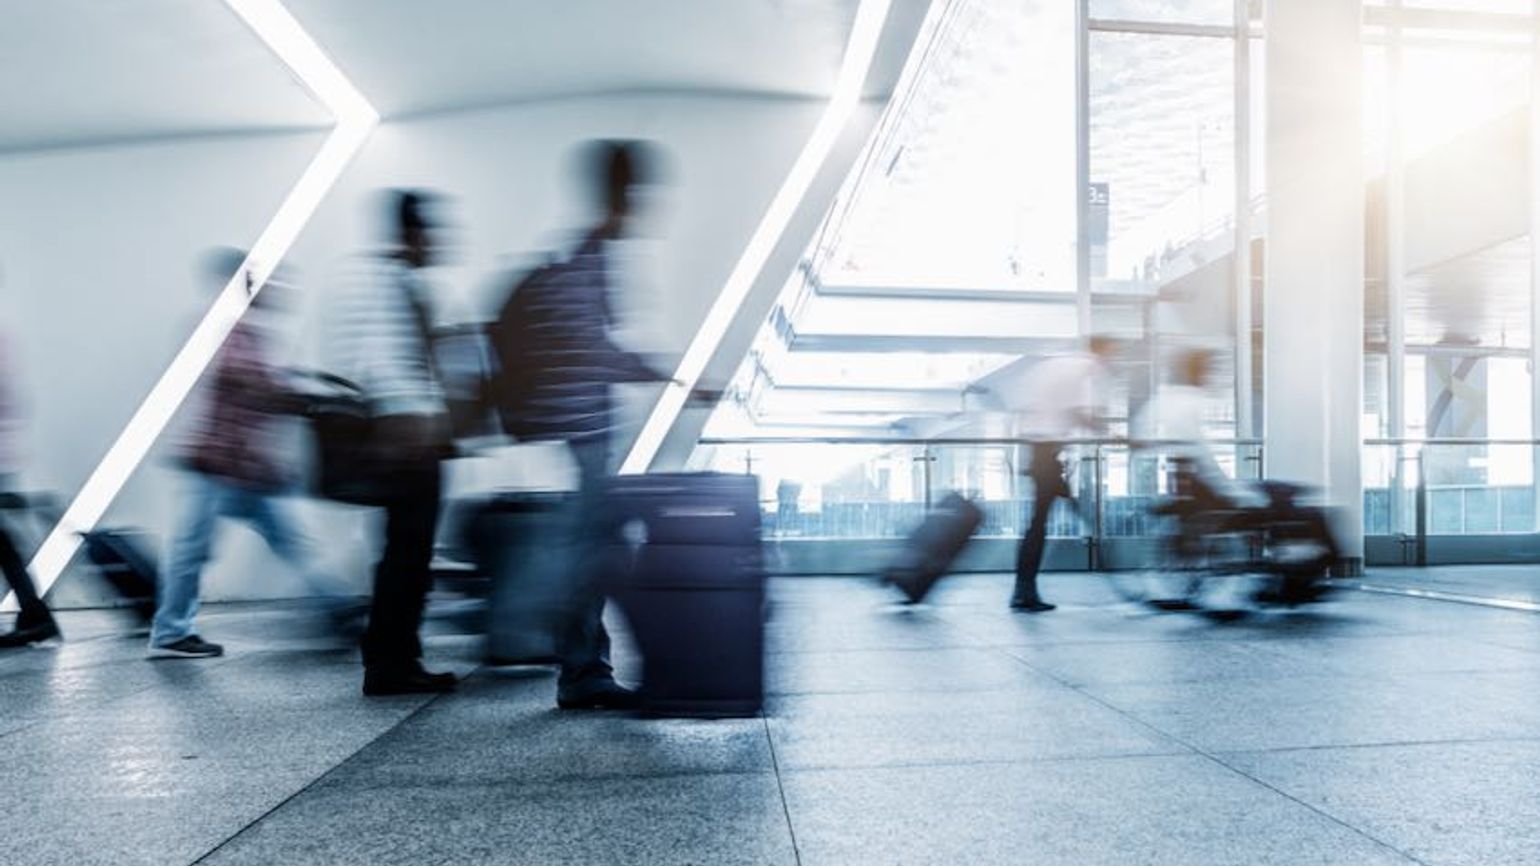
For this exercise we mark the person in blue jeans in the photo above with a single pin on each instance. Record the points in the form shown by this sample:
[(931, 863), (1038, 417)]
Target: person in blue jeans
[(236, 474)]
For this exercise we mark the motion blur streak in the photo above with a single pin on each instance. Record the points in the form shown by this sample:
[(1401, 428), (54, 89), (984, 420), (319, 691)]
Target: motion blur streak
[(356, 119), (870, 18)]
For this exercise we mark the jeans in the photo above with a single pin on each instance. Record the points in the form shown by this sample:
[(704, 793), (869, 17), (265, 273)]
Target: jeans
[(1048, 485), (404, 574), (208, 499), (584, 643)]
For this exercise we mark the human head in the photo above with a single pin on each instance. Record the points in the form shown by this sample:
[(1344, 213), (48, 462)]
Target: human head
[(615, 170), (1103, 348), (415, 230), (1192, 367)]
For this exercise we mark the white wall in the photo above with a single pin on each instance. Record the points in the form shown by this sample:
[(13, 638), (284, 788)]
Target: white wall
[(98, 249)]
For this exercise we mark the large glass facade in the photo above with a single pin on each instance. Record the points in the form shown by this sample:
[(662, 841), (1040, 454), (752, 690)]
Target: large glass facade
[(1054, 170), (1449, 295)]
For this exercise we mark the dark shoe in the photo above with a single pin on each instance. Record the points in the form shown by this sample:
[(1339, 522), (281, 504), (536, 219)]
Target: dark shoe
[(31, 634), (190, 647), (607, 697), (380, 683), (1038, 606)]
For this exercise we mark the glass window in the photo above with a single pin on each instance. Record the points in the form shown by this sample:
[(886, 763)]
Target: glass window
[(1165, 11), (975, 185), (1509, 7), (1162, 115)]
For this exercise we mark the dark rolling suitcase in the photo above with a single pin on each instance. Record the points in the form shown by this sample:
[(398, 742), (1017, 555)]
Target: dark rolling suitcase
[(122, 559), (933, 546), (521, 541), (691, 584), (121, 556)]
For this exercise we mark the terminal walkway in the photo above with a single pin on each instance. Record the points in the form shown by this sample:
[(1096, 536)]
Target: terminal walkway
[(1372, 729)]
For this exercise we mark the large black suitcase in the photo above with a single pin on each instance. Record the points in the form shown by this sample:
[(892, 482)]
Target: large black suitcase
[(691, 583), (932, 548), (521, 541)]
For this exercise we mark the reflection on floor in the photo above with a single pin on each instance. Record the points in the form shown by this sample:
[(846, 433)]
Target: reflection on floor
[(1373, 729), (1497, 583)]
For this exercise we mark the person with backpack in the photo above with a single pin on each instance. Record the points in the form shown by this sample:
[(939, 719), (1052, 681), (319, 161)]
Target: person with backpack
[(386, 342), (235, 472), (557, 362)]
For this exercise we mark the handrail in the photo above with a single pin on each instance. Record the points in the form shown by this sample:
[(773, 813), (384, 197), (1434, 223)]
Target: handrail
[(1446, 440), (896, 440)]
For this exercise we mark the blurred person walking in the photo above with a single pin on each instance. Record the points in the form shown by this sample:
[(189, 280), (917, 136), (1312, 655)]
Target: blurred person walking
[(559, 363), (387, 349), (235, 472), (1063, 398), (34, 623)]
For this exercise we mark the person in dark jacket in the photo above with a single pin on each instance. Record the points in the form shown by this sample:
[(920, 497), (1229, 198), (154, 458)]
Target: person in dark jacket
[(567, 364), (34, 622)]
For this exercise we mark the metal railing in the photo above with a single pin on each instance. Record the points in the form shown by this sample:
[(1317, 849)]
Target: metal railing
[(1426, 493), (1102, 514), (1415, 489)]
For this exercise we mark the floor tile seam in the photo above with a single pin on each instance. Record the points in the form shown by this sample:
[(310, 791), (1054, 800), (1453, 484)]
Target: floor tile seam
[(314, 781), (511, 783), (883, 650), (1216, 760), (994, 762), (775, 695), (1319, 810), (1501, 644), (780, 786), (1388, 744), (1326, 676)]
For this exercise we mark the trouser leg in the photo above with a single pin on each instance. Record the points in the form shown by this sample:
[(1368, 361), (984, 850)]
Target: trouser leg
[(584, 644), (33, 611), (1048, 485), (177, 592), (403, 575)]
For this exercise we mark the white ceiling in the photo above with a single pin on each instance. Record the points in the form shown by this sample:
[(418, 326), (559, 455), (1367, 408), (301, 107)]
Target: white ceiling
[(411, 56), (83, 71), (87, 71)]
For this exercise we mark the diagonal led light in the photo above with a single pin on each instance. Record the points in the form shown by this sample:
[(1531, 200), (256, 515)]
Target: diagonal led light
[(356, 118), (859, 51)]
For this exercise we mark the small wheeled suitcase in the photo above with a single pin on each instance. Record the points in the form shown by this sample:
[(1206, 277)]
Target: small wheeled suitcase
[(691, 583), (122, 559), (522, 542), (933, 546), (121, 556)]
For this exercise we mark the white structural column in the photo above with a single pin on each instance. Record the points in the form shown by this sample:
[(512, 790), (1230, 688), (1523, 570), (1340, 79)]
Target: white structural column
[(1313, 305), (1534, 255)]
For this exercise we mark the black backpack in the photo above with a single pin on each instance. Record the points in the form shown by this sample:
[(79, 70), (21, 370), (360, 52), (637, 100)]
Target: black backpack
[(515, 373)]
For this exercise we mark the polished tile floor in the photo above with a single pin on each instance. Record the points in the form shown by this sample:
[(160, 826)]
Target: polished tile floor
[(1372, 729)]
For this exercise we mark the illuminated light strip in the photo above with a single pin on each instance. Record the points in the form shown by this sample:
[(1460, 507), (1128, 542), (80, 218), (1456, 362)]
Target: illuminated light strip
[(859, 51), (1440, 595), (356, 119)]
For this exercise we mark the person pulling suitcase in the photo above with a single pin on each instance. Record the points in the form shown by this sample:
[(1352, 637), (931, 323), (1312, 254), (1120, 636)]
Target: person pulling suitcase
[(557, 363)]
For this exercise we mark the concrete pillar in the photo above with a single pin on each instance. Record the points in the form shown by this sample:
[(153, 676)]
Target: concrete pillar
[(1313, 305)]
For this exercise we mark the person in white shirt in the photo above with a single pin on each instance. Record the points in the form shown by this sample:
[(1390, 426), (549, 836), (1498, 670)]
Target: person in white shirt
[(1175, 419), (386, 341), (1062, 397)]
